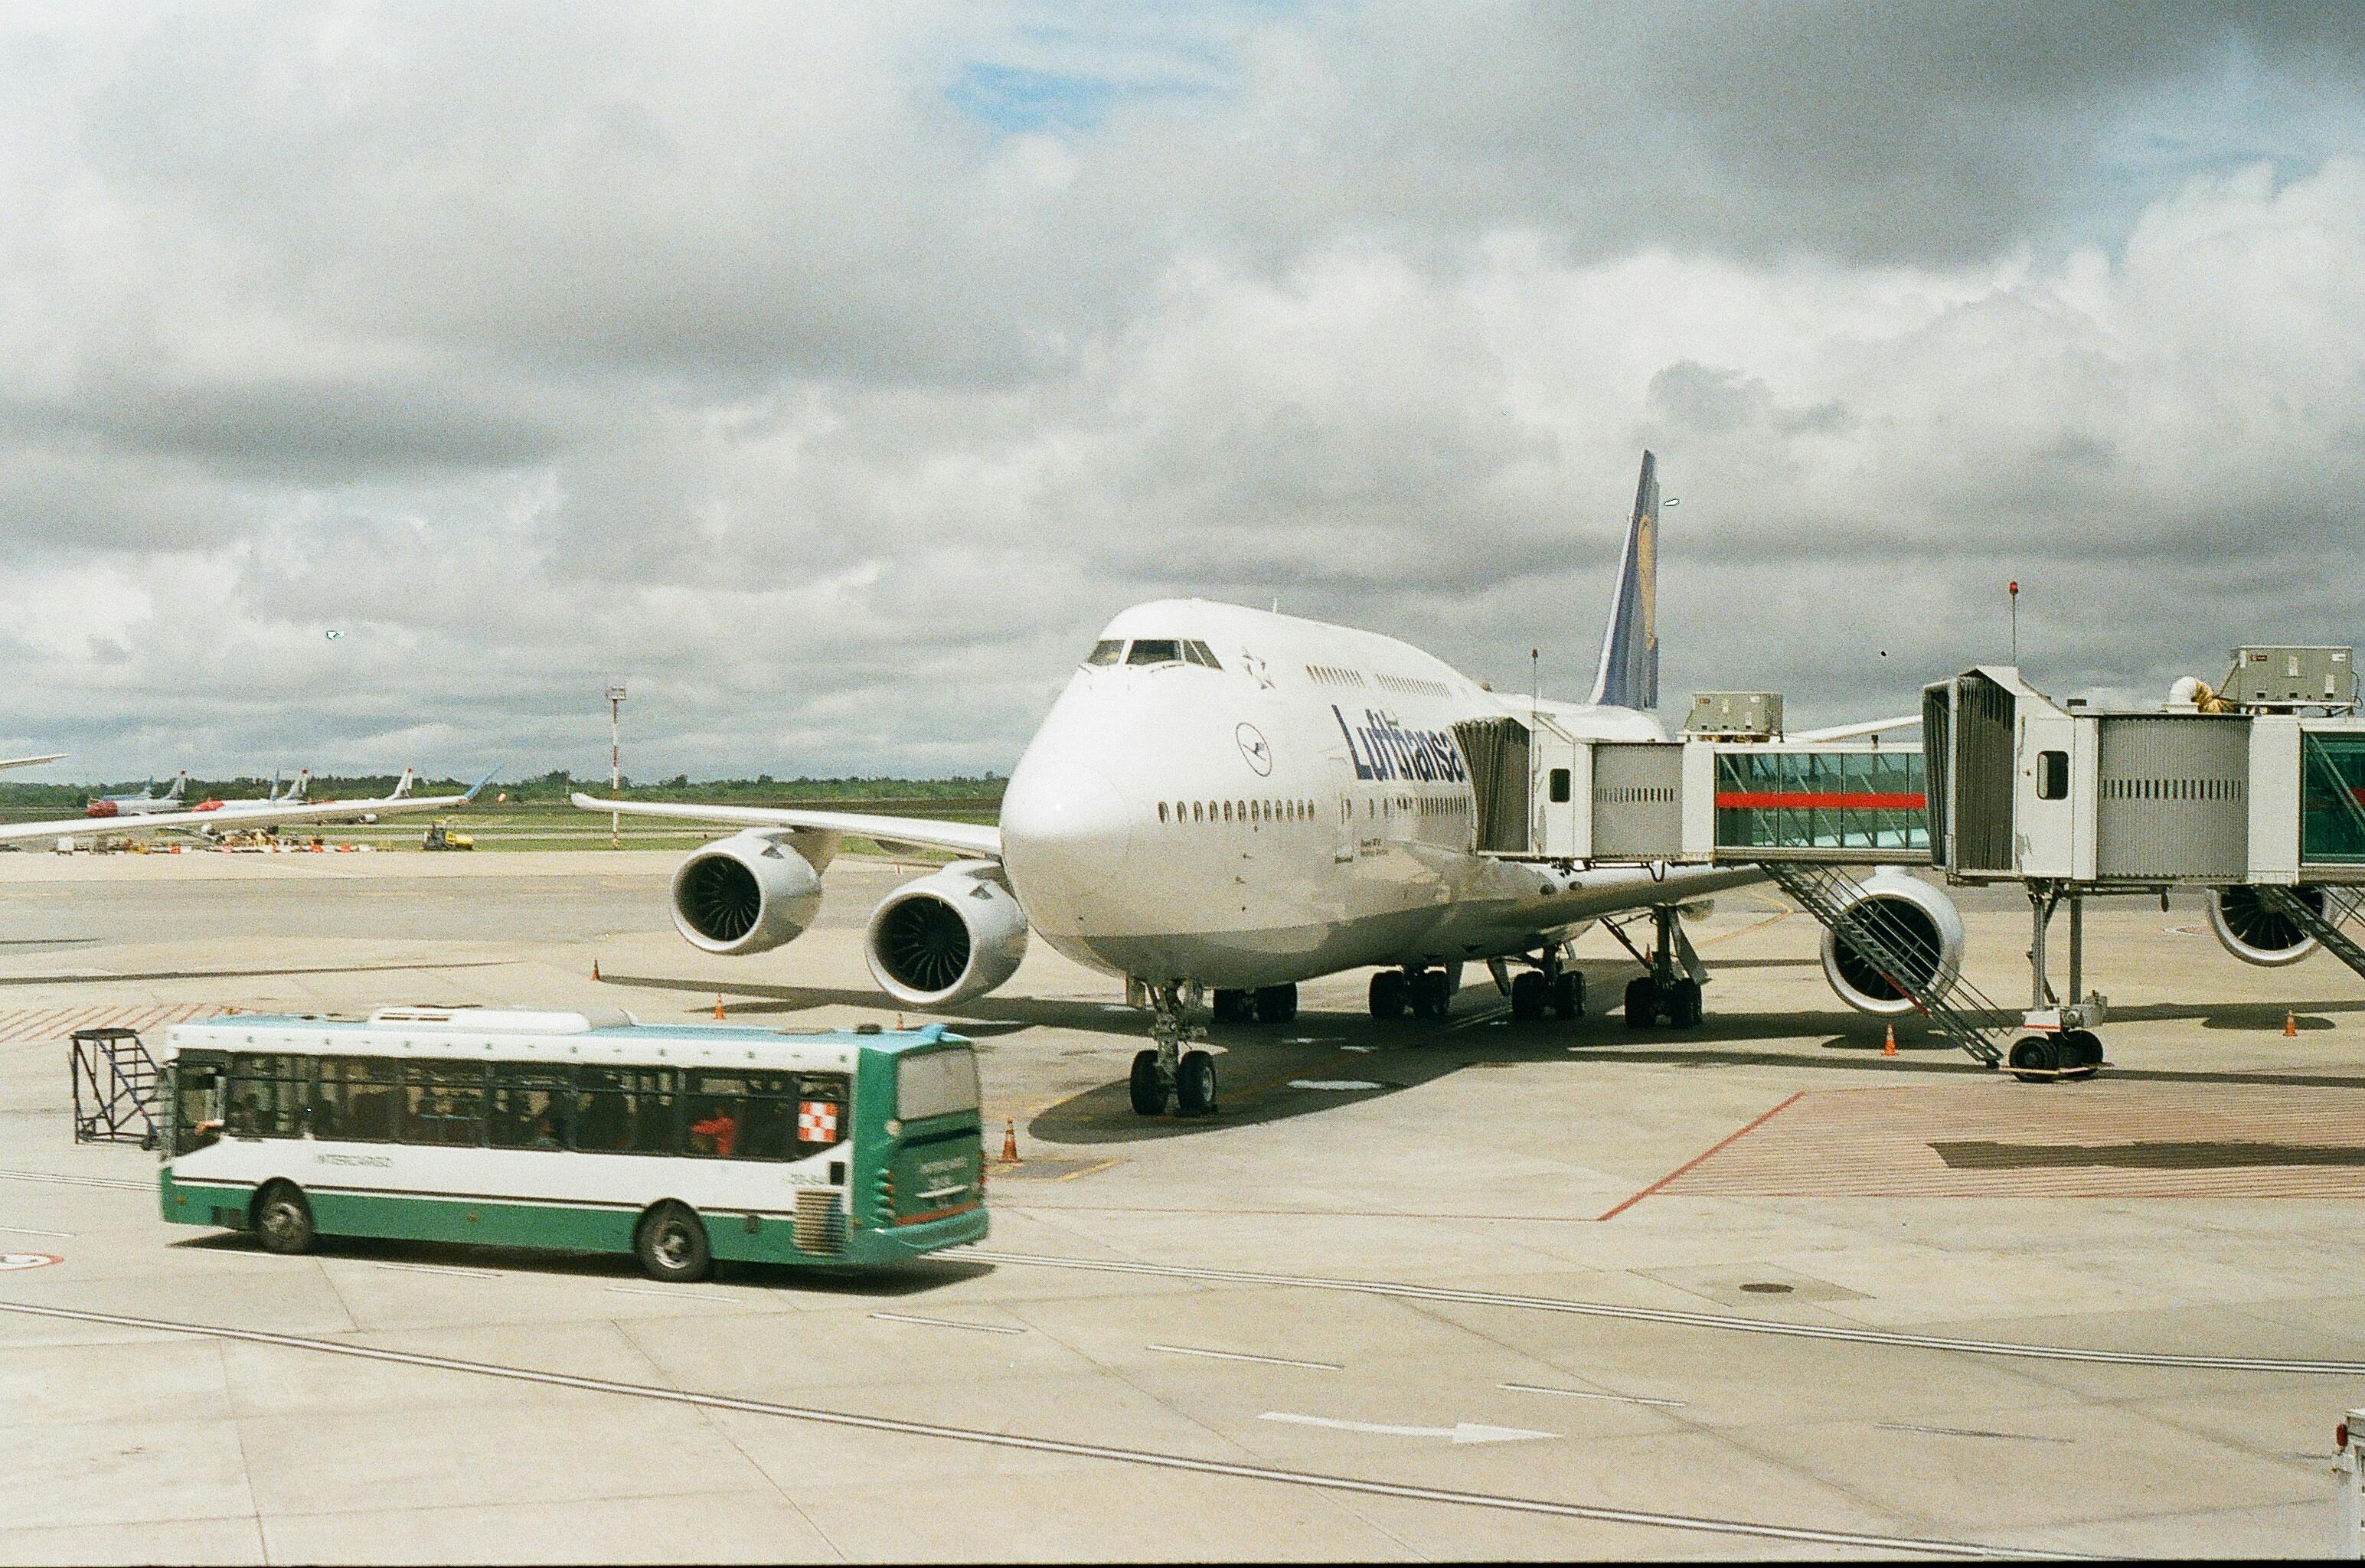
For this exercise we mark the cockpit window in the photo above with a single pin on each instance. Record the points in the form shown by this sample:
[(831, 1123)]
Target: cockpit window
[(1155, 651), (1198, 653), (1107, 651)]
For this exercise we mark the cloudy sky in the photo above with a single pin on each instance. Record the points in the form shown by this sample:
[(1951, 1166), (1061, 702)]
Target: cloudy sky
[(832, 373)]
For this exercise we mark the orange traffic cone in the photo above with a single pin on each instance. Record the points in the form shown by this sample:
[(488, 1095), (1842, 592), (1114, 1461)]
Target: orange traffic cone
[(1889, 1041), (595, 968), (2291, 1025), (1009, 1141), (718, 1004)]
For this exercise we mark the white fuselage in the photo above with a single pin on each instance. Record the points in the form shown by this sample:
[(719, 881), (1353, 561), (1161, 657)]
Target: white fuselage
[(1300, 808)]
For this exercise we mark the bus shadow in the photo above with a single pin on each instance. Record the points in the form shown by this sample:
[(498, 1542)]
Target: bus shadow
[(884, 1282)]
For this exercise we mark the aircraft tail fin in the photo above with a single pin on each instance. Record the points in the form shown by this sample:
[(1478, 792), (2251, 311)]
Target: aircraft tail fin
[(179, 786), (1629, 676), (402, 785), (295, 790)]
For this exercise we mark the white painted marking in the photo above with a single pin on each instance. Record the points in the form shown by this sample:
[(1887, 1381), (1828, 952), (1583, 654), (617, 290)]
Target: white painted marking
[(1359, 1050), (944, 1323), (661, 1290), (1499, 1015), (1150, 1459), (439, 1269), (28, 1230), (1243, 1356), (1332, 1085), (1460, 1432), (115, 1181), (1623, 1314), (10, 1261), (1587, 1393)]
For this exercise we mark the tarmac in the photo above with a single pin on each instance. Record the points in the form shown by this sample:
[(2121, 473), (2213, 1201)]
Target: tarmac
[(1460, 1290)]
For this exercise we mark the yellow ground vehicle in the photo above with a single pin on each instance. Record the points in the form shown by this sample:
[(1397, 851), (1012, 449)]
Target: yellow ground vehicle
[(441, 837)]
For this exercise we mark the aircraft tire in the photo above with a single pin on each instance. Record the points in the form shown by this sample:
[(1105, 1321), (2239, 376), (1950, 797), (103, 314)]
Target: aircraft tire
[(1432, 991), (1149, 1095), (1194, 1085), (1568, 994), (1231, 1006), (1387, 997), (1684, 1010), (1276, 1003), (1529, 995), (1641, 1003)]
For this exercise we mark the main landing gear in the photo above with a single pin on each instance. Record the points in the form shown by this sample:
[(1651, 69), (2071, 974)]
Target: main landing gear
[(1423, 992), (1266, 1004), (1170, 1071), (1551, 986), (1671, 990)]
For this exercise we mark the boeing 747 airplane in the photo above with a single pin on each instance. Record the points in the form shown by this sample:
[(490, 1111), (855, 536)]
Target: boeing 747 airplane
[(1225, 801)]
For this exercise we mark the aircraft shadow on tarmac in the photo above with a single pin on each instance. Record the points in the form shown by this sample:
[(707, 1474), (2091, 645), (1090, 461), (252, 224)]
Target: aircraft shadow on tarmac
[(1259, 1061), (882, 1283)]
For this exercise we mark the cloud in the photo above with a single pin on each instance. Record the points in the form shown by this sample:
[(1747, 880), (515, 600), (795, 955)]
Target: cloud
[(833, 377)]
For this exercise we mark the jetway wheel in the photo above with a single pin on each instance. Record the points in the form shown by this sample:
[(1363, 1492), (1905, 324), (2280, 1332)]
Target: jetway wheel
[(2081, 1052), (2034, 1058), (1149, 1093), (1388, 995)]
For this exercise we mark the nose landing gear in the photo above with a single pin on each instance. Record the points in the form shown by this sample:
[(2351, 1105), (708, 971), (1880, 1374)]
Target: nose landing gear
[(1168, 1071)]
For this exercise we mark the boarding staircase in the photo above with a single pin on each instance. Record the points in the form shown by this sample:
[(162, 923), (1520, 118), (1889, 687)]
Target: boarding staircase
[(115, 1087), (1966, 1018), (2326, 920)]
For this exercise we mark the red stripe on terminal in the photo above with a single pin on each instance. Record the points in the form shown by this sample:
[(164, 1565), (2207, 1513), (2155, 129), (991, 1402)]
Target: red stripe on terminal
[(1808, 800)]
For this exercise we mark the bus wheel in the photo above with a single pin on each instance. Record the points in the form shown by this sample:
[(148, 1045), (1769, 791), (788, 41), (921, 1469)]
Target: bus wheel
[(671, 1245), (283, 1220), (1195, 1084)]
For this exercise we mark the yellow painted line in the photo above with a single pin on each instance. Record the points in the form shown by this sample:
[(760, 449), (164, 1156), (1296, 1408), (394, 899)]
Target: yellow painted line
[(1088, 1170)]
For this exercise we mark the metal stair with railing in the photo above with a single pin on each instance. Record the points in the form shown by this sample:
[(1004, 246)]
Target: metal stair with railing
[(115, 1083), (2324, 918), (1963, 1015)]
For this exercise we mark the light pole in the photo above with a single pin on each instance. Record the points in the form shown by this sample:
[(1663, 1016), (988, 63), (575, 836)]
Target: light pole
[(615, 762)]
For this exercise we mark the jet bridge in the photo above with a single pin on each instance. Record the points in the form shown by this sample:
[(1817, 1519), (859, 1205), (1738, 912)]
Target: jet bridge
[(2257, 796)]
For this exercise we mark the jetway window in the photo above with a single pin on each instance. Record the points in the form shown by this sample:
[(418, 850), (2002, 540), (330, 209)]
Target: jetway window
[(2052, 775), (1155, 651), (1560, 786), (1107, 651), (2332, 799), (1873, 798)]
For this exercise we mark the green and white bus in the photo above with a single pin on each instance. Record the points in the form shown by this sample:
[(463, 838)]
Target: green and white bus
[(577, 1131)]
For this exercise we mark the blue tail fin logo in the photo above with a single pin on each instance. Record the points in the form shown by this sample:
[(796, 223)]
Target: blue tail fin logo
[(1629, 676)]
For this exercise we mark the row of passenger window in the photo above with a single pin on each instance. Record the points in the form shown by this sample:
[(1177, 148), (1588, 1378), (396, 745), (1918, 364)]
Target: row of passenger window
[(612, 1110), (1235, 811)]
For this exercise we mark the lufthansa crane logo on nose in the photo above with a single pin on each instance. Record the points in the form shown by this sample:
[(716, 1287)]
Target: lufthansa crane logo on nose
[(1253, 748)]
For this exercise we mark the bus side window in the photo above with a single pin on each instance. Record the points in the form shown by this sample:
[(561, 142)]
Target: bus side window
[(714, 1111), (267, 1094), (355, 1101), (626, 1110), (530, 1107), (197, 1101), (443, 1103)]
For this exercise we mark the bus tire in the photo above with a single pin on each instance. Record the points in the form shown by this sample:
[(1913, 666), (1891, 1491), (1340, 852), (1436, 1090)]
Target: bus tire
[(671, 1245), (283, 1220)]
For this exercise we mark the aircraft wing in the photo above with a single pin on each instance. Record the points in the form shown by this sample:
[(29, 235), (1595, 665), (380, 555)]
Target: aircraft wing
[(979, 839), (1857, 731), (260, 816), (31, 761)]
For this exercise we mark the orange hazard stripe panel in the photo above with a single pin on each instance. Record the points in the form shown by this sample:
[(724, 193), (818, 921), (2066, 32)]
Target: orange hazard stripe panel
[(1808, 800)]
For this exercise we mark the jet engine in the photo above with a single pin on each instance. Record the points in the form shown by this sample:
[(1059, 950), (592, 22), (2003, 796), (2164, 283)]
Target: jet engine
[(946, 938), (1913, 919), (749, 894), (2256, 932)]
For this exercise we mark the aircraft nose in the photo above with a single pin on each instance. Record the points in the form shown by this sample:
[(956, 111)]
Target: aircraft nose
[(1066, 836)]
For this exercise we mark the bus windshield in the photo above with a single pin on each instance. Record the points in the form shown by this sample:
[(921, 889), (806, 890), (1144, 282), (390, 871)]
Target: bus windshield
[(935, 1084)]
